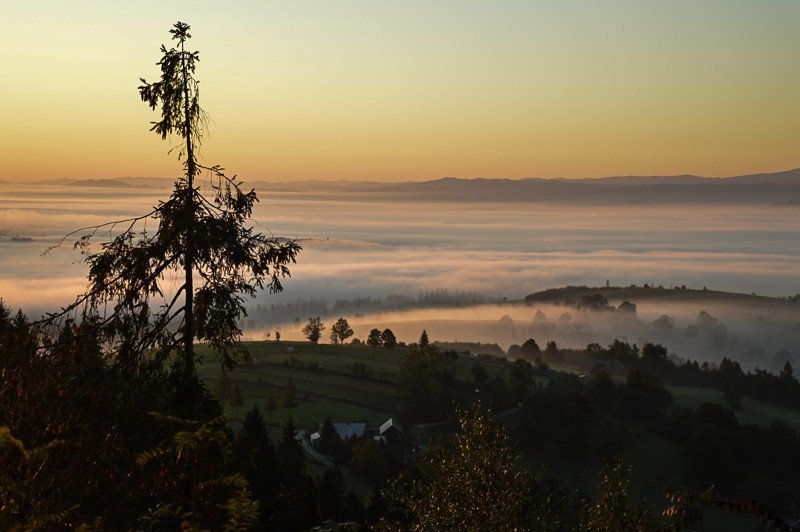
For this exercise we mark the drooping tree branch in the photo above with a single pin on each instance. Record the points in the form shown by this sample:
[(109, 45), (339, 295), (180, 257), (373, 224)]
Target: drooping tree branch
[(206, 240)]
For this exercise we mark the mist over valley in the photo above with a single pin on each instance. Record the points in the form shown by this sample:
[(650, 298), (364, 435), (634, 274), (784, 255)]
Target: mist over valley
[(494, 242)]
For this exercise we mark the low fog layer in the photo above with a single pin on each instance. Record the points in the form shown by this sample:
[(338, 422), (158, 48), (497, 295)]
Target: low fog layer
[(357, 245), (758, 332)]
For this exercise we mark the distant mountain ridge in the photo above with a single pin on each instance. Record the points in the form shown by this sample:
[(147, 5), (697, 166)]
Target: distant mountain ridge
[(775, 188), (105, 183), (767, 188), (787, 177), (112, 182)]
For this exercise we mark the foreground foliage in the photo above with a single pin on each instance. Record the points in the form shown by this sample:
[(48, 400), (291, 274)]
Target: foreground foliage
[(81, 446), (470, 483)]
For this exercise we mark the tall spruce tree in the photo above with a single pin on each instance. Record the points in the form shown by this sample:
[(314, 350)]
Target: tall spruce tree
[(159, 293)]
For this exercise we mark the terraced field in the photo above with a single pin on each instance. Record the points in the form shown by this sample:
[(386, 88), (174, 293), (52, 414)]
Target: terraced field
[(752, 411), (326, 378)]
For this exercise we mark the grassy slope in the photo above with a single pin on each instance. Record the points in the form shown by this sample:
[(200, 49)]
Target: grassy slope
[(336, 391), (333, 389), (330, 390), (752, 411)]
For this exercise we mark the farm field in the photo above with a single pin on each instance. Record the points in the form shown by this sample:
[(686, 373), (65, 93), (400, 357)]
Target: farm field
[(349, 383), (752, 411), (354, 383), (325, 385), (328, 384)]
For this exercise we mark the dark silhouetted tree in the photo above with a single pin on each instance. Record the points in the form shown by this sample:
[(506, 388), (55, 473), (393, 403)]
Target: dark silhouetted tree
[(388, 339), (313, 329), (5, 318), (654, 352), (521, 376), (787, 372), (202, 235), (255, 454), (329, 439), (627, 354), (291, 457), (423, 339), (530, 348), (341, 331), (374, 338)]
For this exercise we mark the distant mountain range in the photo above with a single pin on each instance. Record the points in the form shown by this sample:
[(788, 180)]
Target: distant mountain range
[(772, 188), (775, 188), (115, 182)]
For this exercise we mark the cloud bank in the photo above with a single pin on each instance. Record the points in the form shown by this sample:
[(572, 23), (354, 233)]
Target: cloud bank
[(357, 247)]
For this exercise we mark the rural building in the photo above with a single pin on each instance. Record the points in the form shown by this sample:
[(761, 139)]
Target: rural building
[(391, 432)]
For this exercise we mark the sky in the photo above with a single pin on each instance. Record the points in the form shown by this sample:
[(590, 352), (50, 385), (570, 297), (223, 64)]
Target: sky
[(412, 90)]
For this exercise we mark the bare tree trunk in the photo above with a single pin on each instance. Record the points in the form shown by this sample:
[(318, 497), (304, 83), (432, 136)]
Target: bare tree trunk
[(188, 331)]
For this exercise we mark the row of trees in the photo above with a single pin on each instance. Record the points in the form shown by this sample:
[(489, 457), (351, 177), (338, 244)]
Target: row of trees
[(341, 331)]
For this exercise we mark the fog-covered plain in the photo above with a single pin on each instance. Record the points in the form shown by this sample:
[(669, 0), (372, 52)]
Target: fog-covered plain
[(363, 246), (762, 334)]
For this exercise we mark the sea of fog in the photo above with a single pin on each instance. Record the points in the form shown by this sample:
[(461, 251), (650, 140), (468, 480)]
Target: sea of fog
[(362, 247)]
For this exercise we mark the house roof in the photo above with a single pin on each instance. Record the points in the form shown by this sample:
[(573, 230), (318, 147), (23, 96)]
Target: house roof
[(389, 424)]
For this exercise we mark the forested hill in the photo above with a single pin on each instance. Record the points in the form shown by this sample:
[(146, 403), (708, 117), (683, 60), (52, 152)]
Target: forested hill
[(777, 188), (646, 292), (757, 189)]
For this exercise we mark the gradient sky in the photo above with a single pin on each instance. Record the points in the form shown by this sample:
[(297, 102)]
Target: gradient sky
[(411, 90)]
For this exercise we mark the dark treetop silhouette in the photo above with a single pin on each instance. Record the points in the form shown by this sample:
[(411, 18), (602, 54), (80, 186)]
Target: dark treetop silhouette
[(202, 236)]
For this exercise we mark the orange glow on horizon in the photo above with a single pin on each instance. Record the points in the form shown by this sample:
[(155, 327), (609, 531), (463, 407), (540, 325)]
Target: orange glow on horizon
[(411, 91)]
